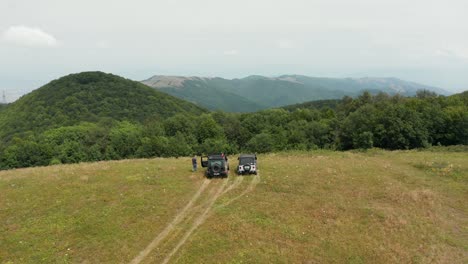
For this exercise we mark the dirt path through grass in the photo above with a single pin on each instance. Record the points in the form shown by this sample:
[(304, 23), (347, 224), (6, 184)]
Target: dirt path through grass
[(234, 185), (198, 221), (170, 227), (202, 218), (253, 183), (194, 215)]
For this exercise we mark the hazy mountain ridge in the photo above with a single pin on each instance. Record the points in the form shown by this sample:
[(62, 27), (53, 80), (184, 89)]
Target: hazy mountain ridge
[(161, 81), (257, 92), (212, 93)]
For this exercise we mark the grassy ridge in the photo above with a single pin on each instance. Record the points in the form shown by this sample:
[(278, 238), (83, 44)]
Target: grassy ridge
[(325, 207)]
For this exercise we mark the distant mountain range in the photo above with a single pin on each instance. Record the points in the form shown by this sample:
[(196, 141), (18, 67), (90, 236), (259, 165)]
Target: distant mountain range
[(259, 92)]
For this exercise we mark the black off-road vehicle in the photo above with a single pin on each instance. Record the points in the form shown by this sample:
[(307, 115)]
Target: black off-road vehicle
[(247, 164), (217, 165)]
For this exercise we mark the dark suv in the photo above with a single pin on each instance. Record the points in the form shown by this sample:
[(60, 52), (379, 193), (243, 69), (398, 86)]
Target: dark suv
[(247, 164), (216, 164)]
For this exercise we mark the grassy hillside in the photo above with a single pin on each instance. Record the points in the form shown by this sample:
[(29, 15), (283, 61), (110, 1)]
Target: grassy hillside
[(279, 92), (321, 104), (88, 96), (258, 92), (317, 207), (213, 98)]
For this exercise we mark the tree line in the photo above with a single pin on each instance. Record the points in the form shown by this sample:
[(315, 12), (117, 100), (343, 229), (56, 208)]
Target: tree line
[(382, 121)]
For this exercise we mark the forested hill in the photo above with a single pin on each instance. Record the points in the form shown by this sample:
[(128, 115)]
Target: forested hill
[(90, 97), (258, 92), (319, 105), (463, 96)]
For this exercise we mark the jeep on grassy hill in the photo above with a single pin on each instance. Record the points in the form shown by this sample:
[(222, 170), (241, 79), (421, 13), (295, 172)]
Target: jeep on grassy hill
[(216, 164), (247, 164)]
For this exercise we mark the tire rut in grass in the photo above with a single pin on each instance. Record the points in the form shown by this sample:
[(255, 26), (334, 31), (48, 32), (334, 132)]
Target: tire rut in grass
[(253, 183), (234, 185), (193, 215), (202, 218), (175, 236), (198, 221), (170, 227)]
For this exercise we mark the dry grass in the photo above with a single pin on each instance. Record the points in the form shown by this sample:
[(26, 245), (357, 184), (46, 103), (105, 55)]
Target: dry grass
[(309, 207), (91, 213), (343, 208)]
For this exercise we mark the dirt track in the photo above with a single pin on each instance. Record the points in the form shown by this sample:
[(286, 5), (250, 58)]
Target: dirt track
[(253, 183), (234, 185), (171, 225), (198, 221), (193, 215)]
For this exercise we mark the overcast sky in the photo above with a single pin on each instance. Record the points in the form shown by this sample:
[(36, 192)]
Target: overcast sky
[(419, 40)]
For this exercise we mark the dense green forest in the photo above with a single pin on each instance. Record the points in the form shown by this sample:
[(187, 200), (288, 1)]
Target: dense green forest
[(93, 120)]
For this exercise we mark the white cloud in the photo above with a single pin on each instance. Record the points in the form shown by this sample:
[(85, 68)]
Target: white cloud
[(231, 52), (444, 53), (102, 44), (29, 36), (285, 44), (451, 53)]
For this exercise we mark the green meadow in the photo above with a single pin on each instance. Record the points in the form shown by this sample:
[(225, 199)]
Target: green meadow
[(303, 207)]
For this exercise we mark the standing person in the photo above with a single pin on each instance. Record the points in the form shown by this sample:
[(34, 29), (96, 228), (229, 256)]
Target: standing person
[(194, 163)]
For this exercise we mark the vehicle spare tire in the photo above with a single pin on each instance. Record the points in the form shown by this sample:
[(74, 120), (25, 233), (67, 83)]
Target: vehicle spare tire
[(216, 168)]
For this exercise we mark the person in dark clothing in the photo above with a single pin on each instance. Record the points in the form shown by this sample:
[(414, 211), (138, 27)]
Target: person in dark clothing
[(194, 163)]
